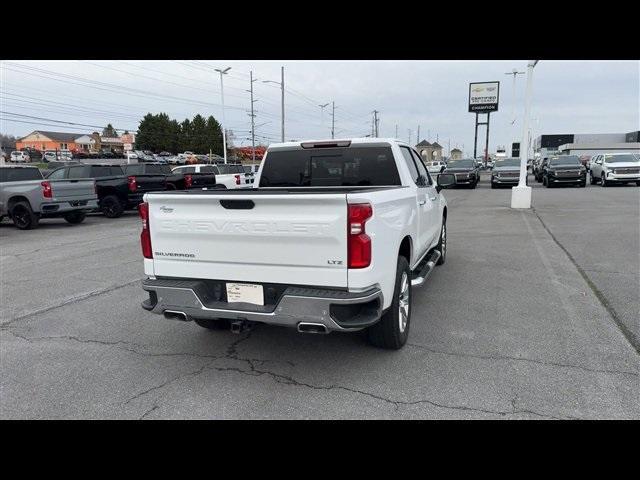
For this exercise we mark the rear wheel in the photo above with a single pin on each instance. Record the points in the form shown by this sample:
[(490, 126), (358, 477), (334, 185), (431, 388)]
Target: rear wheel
[(213, 323), (111, 206), (75, 218), (23, 217), (392, 331)]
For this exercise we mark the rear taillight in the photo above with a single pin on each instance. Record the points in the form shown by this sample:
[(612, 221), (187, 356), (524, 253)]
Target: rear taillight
[(237, 179), (145, 236), (188, 181), (358, 242), (133, 185), (46, 189)]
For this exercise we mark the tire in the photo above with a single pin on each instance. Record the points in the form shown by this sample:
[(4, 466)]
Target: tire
[(493, 186), (213, 324), (583, 184), (74, 218), (111, 206), (392, 331), (23, 217), (603, 181), (638, 183), (442, 243)]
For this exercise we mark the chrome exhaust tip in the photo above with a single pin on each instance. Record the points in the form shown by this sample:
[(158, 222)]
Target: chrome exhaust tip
[(175, 315), (305, 327)]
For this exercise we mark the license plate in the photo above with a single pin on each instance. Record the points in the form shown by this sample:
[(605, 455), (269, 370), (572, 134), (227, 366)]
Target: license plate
[(245, 292)]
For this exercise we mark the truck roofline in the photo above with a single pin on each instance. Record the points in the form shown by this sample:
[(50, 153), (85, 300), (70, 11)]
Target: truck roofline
[(354, 141)]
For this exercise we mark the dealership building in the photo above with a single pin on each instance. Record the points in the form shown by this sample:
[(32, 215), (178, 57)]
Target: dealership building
[(586, 144)]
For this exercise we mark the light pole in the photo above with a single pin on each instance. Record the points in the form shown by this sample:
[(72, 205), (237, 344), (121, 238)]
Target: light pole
[(281, 83), (224, 131), (521, 195), (322, 107)]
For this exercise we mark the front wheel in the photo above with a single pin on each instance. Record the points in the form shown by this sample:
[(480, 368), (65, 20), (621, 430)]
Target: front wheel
[(592, 180), (442, 243), (74, 218), (638, 183), (392, 331), (603, 181)]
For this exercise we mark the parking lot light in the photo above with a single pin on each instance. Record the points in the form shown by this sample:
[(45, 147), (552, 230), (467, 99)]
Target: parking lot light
[(521, 195)]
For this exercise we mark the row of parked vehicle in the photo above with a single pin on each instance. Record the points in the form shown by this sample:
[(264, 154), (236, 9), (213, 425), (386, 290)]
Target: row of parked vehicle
[(604, 169), (72, 190)]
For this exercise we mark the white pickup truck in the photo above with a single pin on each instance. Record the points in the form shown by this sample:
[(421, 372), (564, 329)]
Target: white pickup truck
[(333, 238), (227, 176)]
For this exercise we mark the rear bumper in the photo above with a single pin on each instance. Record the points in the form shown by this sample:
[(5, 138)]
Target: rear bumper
[(337, 310), (57, 209)]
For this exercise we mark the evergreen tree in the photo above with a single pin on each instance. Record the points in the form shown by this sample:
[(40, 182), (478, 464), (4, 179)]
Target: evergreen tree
[(109, 131)]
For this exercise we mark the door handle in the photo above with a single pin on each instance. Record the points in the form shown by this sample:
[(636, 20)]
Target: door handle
[(433, 198), (421, 202)]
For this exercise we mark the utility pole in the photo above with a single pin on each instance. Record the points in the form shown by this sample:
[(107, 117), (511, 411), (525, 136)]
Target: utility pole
[(418, 136), (409, 130), (396, 131), (224, 131), (281, 83), (514, 72), (253, 124), (333, 118), (375, 123)]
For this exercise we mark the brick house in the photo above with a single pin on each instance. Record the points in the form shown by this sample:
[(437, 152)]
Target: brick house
[(45, 140)]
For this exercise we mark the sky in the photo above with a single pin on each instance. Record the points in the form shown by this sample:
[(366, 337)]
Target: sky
[(568, 97)]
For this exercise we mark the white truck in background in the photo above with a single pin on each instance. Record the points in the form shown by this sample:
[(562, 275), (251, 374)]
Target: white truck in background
[(333, 238)]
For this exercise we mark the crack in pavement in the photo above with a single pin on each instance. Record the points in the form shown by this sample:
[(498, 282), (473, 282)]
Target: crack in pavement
[(231, 353), (69, 301), (522, 359), (628, 334)]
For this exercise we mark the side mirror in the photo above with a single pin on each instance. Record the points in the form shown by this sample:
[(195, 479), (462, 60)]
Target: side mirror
[(445, 180)]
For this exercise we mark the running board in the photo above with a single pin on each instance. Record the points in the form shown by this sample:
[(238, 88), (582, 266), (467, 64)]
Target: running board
[(419, 277)]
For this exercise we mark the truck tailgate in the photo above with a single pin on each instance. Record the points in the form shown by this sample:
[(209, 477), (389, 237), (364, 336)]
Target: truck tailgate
[(278, 238), (65, 190), (150, 182)]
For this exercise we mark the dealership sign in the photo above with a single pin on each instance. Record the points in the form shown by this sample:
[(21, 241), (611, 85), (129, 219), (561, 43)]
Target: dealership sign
[(484, 96)]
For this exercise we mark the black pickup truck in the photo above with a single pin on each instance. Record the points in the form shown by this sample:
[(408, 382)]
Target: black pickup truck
[(117, 191), (176, 180)]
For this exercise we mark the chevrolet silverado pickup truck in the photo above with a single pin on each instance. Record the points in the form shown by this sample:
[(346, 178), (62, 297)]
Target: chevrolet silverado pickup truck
[(26, 197), (183, 179), (227, 176), (334, 238), (117, 192)]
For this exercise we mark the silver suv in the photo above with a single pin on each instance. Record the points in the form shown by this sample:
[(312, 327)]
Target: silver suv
[(610, 168)]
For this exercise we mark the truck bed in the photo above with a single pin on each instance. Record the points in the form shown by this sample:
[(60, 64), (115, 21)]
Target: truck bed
[(283, 190)]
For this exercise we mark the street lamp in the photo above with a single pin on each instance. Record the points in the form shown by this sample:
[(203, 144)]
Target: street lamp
[(224, 131), (281, 83), (521, 195)]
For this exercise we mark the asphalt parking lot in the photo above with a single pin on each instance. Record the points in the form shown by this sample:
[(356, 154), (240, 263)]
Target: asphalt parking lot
[(534, 315)]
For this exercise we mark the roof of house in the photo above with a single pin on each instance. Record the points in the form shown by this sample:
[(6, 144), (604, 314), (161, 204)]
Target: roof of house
[(63, 136), (423, 143), (456, 150), (436, 144), (110, 140)]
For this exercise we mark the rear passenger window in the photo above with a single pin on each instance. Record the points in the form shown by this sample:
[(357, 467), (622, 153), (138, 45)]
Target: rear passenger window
[(206, 170), (154, 169), (133, 170), (408, 158), (187, 170), (100, 171), (116, 170), (77, 172), (422, 170), (57, 174)]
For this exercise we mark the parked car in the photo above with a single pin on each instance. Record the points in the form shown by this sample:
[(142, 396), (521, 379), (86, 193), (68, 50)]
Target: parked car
[(564, 169), (20, 157), (436, 167), (117, 192), (227, 176), (50, 156), (66, 155), (309, 272), (466, 171), (184, 179), (26, 197), (539, 168), (132, 157), (506, 172), (610, 168)]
